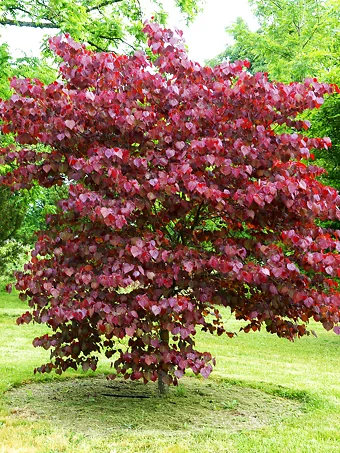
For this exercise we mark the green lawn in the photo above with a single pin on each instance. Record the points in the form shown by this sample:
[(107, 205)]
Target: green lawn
[(265, 395)]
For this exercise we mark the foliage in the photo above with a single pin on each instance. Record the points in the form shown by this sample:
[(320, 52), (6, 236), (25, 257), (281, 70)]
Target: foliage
[(13, 207), (103, 24), (13, 256), (24, 212), (295, 39), (42, 201), (4, 71), (326, 121), (182, 198), (241, 49), (33, 67)]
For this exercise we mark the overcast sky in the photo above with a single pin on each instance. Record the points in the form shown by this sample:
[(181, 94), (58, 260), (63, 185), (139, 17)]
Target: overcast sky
[(206, 37)]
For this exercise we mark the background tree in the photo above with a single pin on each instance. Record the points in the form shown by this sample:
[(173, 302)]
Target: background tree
[(13, 207), (241, 49), (13, 256), (182, 198), (5, 71), (326, 121), (295, 39), (41, 202), (104, 24)]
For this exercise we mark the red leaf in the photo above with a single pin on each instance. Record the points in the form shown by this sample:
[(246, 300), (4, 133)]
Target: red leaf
[(68, 271), (329, 270), (105, 212), (70, 124), (9, 288), (179, 373), (149, 360), (86, 365), (156, 309), (205, 372), (130, 330), (292, 267), (188, 266), (136, 251), (127, 268), (154, 253)]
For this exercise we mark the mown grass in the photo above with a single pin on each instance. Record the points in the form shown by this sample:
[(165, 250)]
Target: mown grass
[(294, 409)]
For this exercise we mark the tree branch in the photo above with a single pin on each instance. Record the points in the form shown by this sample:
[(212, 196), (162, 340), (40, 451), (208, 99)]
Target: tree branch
[(102, 4), (111, 38), (195, 222), (140, 10), (277, 4), (18, 8), (310, 37), (96, 46), (23, 23)]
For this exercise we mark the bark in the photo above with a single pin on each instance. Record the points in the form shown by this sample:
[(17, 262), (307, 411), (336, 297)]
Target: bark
[(162, 388), (23, 23)]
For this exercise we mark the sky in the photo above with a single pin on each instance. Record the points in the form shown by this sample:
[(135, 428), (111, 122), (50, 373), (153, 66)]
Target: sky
[(206, 37)]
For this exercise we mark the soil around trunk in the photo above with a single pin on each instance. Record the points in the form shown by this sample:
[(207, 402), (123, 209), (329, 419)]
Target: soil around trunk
[(96, 406)]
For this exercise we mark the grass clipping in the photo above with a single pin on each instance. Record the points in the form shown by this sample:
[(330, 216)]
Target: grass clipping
[(95, 406)]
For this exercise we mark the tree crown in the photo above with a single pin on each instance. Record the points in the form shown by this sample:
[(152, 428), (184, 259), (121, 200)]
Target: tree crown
[(184, 196)]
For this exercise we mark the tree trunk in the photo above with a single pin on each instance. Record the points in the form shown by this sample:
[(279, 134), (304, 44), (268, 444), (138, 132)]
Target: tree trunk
[(162, 388)]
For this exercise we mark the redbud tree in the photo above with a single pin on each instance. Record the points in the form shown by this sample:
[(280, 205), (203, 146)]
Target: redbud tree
[(190, 189)]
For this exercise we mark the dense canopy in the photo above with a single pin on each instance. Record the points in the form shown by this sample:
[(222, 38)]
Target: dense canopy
[(185, 195)]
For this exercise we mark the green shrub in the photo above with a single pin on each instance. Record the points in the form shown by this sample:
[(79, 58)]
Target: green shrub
[(13, 256)]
